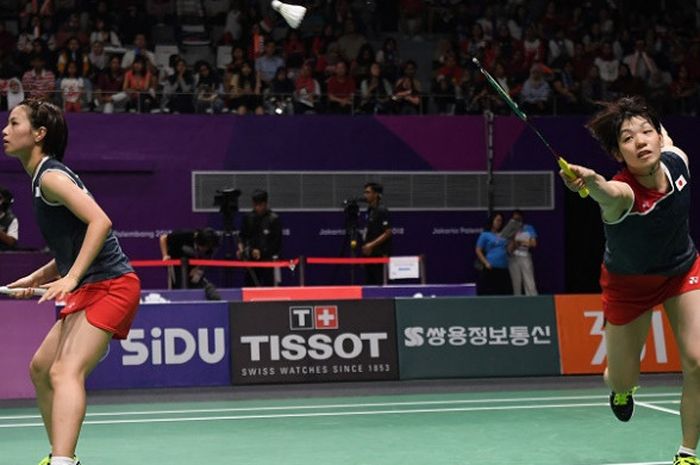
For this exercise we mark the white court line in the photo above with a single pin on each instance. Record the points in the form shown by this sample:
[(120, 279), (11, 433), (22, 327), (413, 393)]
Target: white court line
[(638, 463), (656, 407), (360, 405), (317, 414)]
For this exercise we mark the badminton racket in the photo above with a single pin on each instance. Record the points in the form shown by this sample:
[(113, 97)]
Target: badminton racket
[(36, 291), (583, 192)]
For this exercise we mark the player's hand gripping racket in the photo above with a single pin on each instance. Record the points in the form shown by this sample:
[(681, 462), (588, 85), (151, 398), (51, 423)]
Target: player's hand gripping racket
[(36, 291), (520, 114)]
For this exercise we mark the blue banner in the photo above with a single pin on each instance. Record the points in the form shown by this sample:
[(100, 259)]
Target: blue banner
[(176, 344)]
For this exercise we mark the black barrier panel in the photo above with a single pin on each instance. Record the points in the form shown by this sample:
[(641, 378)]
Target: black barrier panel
[(312, 341), (477, 337)]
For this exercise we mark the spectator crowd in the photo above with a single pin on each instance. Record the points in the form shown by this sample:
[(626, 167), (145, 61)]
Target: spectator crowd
[(349, 56)]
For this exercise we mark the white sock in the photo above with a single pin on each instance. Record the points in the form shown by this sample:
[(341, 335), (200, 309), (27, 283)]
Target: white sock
[(681, 450), (62, 461)]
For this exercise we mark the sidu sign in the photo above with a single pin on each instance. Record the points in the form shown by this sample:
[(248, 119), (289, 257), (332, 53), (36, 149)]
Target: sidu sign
[(176, 344)]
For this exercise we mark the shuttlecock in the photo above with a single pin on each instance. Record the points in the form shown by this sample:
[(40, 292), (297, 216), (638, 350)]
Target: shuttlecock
[(293, 14)]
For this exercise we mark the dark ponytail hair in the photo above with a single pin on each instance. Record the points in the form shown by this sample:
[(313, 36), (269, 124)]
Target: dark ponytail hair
[(45, 114)]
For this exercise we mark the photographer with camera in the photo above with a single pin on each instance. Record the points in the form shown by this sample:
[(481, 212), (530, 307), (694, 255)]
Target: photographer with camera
[(9, 224), (377, 241), (260, 239), (198, 243)]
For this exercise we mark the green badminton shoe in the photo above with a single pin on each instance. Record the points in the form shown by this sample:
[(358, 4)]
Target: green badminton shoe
[(682, 459), (622, 404)]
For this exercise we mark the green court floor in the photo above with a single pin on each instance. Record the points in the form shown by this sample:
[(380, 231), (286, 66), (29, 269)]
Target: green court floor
[(569, 426)]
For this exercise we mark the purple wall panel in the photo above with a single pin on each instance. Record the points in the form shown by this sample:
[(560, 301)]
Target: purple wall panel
[(24, 325), (139, 169)]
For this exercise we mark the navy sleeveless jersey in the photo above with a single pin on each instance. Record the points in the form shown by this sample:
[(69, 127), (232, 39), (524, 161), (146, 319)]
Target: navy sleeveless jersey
[(64, 232), (653, 236)]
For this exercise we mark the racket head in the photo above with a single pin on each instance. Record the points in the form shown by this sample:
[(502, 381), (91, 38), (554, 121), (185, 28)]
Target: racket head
[(501, 92)]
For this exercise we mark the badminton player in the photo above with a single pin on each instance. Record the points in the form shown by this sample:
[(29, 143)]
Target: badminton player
[(89, 272), (650, 258)]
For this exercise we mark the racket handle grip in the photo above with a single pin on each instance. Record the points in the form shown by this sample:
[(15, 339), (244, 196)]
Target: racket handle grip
[(583, 192), (36, 291)]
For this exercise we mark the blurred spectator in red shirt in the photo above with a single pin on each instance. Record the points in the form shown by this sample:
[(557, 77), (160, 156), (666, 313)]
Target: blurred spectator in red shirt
[(341, 90), (110, 85), (307, 91), (451, 70), (38, 82)]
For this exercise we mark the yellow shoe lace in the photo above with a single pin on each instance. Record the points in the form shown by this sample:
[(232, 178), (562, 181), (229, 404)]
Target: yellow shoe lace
[(47, 460), (623, 397)]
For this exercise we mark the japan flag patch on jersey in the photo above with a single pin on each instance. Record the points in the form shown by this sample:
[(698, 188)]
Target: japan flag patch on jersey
[(681, 182)]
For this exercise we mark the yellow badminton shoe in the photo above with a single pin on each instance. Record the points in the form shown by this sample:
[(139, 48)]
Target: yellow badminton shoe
[(682, 459), (47, 460), (622, 404)]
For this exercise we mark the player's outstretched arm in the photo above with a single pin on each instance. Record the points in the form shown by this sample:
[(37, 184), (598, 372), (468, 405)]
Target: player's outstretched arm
[(614, 197)]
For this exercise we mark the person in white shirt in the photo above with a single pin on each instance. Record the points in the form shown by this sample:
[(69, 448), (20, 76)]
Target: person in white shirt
[(641, 64)]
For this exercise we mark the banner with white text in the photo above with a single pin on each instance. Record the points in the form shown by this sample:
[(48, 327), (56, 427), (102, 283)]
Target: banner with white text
[(312, 341), (477, 337)]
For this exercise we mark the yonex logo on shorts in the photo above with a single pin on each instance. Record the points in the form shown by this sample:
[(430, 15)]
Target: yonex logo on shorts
[(693, 280)]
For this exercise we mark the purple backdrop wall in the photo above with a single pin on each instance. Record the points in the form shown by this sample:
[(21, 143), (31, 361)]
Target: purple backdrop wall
[(138, 167)]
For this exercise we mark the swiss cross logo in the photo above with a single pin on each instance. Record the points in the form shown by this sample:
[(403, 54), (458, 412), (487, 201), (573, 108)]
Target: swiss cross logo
[(681, 182), (326, 317)]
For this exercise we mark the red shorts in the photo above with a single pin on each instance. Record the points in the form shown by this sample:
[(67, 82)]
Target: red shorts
[(110, 304), (626, 297)]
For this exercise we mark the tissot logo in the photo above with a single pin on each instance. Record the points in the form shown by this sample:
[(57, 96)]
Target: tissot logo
[(301, 318), (313, 317)]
